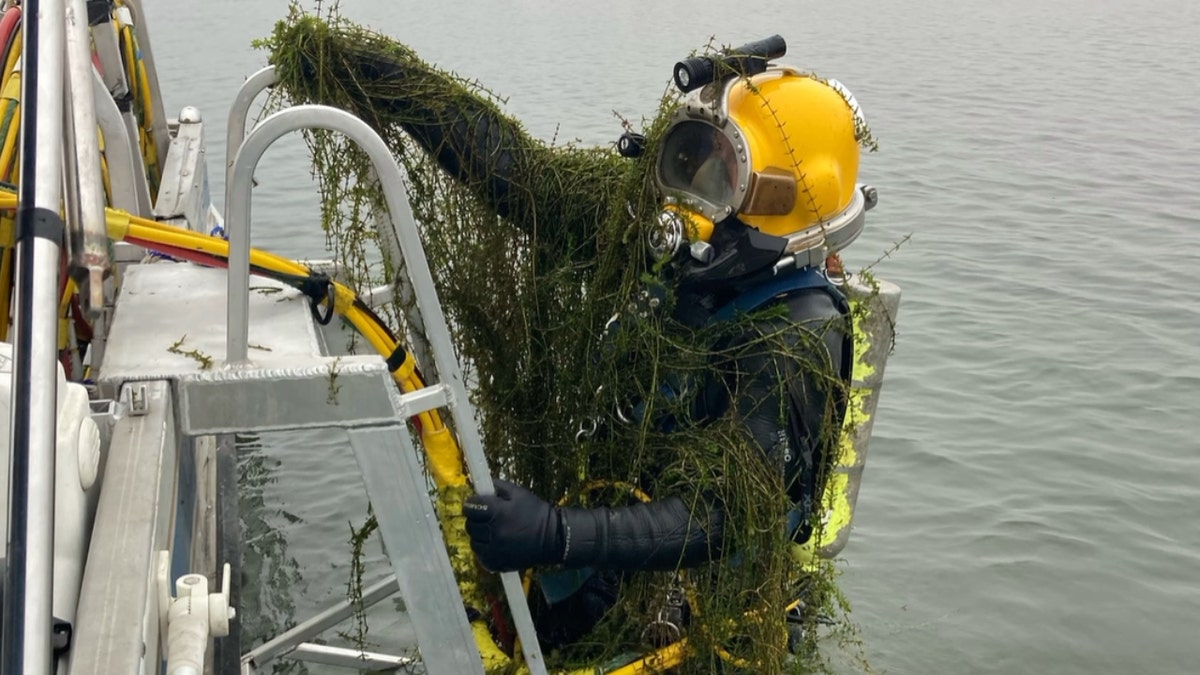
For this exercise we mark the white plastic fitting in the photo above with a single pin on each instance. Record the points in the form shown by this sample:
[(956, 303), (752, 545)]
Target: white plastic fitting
[(195, 615)]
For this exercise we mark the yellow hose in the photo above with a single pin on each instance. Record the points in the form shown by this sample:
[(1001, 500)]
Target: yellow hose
[(126, 33), (10, 94), (654, 662), (9, 153), (149, 147), (138, 81), (104, 167), (64, 320), (10, 61), (8, 239)]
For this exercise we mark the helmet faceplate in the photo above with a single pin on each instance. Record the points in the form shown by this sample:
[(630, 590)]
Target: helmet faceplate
[(779, 150)]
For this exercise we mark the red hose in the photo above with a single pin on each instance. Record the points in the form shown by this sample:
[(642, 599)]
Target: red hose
[(8, 25), (181, 253)]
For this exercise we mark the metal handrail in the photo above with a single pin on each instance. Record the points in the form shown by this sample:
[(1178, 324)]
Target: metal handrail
[(235, 133), (27, 617), (237, 215)]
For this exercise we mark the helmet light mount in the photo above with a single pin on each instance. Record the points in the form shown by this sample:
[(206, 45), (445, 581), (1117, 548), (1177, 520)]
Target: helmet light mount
[(749, 59)]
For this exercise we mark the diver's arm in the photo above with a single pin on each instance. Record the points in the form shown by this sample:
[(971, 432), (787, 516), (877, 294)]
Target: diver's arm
[(388, 86), (467, 134), (514, 529), (659, 535)]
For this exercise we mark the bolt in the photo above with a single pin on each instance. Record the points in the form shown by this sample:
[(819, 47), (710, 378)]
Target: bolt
[(189, 115), (871, 195)]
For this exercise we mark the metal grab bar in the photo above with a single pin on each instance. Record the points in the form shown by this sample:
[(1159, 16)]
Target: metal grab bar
[(237, 215), (235, 133)]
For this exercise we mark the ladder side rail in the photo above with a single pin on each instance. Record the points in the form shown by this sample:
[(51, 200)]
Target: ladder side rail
[(404, 294), (397, 487)]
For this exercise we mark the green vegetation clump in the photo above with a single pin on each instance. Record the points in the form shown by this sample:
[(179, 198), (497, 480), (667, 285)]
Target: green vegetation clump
[(562, 316)]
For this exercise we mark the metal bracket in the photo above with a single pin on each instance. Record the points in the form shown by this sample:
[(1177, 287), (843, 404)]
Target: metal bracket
[(434, 396), (104, 414), (139, 403), (61, 636)]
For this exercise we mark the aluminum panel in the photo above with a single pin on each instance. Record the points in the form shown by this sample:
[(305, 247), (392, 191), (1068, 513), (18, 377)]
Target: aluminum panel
[(170, 321), (397, 488), (132, 522)]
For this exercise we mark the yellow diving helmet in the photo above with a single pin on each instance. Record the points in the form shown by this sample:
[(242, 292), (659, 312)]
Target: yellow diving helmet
[(775, 147)]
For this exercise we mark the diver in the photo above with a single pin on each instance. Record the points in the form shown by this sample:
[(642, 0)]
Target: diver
[(757, 172), (754, 225)]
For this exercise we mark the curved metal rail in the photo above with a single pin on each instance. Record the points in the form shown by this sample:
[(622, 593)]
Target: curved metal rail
[(237, 216), (235, 128), (418, 343)]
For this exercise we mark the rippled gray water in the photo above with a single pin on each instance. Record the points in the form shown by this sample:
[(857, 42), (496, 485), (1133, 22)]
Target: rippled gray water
[(1032, 501)]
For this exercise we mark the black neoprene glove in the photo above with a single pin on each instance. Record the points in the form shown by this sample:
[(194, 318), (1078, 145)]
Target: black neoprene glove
[(513, 528)]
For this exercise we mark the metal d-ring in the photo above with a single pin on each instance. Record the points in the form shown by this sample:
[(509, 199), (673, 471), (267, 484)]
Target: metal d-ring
[(587, 429)]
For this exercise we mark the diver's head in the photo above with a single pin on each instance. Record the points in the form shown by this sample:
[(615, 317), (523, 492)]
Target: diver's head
[(766, 147)]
